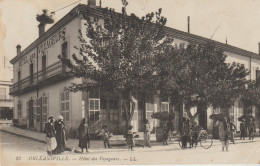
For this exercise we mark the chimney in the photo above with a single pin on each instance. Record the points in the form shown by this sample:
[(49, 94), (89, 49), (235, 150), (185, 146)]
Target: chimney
[(188, 24), (18, 49), (41, 27), (92, 2), (259, 48)]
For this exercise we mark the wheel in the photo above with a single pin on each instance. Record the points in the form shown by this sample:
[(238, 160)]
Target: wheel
[(206, 141)]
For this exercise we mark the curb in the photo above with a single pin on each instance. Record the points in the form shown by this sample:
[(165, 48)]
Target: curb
[(23, 136)]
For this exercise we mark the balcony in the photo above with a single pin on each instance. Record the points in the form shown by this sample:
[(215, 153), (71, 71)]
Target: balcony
[(50, 75)]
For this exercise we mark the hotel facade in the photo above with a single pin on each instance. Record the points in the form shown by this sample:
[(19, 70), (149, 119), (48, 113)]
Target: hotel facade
[(40, 81)]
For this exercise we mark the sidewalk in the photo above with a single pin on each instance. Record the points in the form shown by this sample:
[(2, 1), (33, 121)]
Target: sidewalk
[(117, 141)]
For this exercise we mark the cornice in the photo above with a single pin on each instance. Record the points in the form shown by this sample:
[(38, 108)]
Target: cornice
[(99, 12)]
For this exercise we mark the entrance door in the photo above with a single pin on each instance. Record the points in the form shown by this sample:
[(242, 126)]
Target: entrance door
[(31, 123)]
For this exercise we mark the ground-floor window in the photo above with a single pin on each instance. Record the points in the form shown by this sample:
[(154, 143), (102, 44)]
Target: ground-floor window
[(94, 109), (19, 110), (65, 105), (44, 109)]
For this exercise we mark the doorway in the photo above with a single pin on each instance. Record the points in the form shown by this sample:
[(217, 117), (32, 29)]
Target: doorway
[(31, 122)]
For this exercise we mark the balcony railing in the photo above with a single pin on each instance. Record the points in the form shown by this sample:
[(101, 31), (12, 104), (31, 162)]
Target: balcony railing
[(53, 71)]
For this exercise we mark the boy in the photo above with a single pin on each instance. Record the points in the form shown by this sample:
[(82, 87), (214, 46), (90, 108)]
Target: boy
[(105, 136)]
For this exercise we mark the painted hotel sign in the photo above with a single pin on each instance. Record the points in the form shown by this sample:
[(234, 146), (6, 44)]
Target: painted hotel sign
[(45, 45), (51, 41)]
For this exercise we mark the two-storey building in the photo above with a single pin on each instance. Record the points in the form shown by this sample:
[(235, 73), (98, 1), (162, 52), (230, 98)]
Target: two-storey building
[(40, 81)]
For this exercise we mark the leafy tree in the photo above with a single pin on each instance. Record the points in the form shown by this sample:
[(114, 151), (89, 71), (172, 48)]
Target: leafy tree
[(251, 96), (119, 55), (200, 77)]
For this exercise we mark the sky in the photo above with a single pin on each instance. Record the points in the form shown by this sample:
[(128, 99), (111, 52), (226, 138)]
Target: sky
[(236, 20)]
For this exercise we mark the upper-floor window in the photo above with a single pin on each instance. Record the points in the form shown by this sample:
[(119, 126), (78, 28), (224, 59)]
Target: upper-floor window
[(165, 106), (64, 50), (19, 75), (2, 93), (43, 65), (31, 72)]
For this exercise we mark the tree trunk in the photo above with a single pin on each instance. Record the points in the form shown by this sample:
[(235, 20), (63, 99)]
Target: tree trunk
[(128, 108), (179, 107), (202, 112)]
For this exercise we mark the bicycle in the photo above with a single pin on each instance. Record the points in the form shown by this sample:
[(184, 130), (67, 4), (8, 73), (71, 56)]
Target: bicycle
[(196, 136)]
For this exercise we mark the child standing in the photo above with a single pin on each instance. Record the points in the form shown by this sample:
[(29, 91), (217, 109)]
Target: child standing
[(105, 136), (130, 138), (165, 135)]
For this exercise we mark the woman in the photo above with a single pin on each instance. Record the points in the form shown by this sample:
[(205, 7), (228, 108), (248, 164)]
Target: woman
[(84, 137), (60, 135), (224, 129), (50, 135)]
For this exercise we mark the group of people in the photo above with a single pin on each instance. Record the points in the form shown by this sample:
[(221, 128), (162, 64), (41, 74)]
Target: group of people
[(191, 132), (167, 134), (227, 130), (247, 128), (55, 135)]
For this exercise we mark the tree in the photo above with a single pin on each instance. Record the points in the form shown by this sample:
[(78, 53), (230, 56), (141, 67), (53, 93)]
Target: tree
[(119, 55), (251, 96), (200, 77)]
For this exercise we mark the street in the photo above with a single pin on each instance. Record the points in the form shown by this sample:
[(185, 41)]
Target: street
[(19, 150)]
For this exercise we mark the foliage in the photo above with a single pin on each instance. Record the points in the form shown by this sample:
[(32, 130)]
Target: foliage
[(163, 116), (119, 55), (251, 96), (198, 76)]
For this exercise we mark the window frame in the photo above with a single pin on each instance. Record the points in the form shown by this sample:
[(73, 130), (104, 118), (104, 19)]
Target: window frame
[(94, 110)]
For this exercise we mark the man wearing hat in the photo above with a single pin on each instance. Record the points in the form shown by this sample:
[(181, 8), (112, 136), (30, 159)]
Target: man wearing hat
[(50, 135), (242, 129), (60, 135)]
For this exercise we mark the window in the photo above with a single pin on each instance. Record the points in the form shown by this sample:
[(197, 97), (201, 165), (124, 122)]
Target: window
[(43, 65), (103, 104), (94, 109), (165, 106), (65, 105), (64, 50), (19, 110), (31, 73), (19, 79), (38, 106), (3, 93), (64, 54), (216, 110), (44, 108), (231, 113)]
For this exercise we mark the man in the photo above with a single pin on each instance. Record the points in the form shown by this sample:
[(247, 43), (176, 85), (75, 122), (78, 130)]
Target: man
[(233, 129), (146, 133), (242, 129), (251, 129)]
